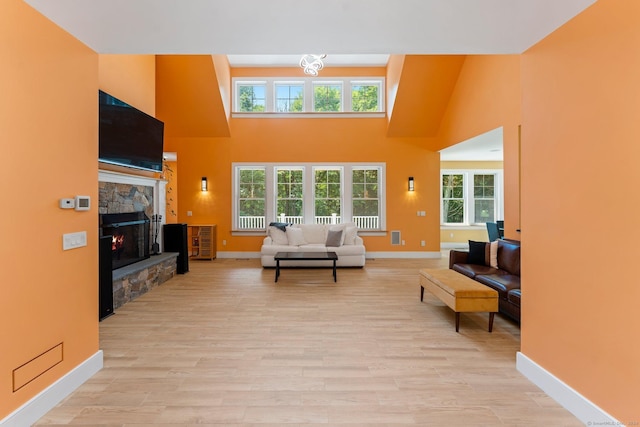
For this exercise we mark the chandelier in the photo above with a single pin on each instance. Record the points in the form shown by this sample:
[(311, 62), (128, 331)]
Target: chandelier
[(312, 64)]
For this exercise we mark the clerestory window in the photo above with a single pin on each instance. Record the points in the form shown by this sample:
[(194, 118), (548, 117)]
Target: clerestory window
[(309, 95)]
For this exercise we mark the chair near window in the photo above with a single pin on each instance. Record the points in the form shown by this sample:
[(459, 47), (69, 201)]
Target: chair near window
[(500, 228), (492, 229)]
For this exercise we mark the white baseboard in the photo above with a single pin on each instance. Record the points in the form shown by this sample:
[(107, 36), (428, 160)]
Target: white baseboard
[(48, 398), (368, 255), (225, 254), (411, 255), (585, 410), (454, 245)]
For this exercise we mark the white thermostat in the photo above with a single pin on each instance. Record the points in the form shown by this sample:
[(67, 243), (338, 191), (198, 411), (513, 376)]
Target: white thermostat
[(83, 203), (67, 203)]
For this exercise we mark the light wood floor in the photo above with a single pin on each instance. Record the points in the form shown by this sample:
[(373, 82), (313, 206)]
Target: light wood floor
[(225, 345)]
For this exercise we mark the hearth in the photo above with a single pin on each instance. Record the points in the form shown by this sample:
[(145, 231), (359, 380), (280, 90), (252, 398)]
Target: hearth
[(129, 237)]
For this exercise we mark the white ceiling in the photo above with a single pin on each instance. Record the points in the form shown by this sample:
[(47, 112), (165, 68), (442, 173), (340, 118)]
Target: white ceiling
[(485, 147), (350, 32), (296, 27)]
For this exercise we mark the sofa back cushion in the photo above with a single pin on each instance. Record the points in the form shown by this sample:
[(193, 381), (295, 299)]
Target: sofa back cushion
[(314, 233), (509, 256)]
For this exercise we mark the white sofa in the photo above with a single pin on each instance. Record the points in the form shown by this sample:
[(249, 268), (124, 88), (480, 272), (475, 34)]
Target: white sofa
[(343, 240)]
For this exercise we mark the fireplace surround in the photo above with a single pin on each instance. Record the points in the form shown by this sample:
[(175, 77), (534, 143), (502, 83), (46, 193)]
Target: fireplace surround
[(130, 234)]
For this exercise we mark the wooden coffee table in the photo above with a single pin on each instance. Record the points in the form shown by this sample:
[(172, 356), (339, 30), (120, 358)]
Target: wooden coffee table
[(306, 256)]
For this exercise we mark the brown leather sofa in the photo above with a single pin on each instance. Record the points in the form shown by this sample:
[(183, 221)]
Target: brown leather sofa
[(505, 279)]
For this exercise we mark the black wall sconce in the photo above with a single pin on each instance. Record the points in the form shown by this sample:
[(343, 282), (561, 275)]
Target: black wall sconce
[(204, 184), (411, 183)]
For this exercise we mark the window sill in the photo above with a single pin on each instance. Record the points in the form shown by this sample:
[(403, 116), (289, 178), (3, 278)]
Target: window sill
[(308, 115)]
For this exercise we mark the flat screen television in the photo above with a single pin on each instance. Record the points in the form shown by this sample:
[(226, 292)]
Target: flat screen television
[(128, 136)]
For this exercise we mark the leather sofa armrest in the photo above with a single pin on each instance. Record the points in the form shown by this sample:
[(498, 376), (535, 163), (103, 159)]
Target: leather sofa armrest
[(457, 257)]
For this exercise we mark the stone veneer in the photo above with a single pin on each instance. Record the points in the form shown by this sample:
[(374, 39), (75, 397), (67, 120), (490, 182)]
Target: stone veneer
[(131, 281)]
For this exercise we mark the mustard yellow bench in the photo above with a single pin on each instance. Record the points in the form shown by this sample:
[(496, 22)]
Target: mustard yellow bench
[(459, 292)]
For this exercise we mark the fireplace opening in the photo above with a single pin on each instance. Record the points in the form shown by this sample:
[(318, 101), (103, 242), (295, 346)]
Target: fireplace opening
[(129, 237)]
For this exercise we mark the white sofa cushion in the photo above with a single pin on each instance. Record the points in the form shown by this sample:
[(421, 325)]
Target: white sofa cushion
[(295, 236), (350, 231), (278, 236), (313, 233)]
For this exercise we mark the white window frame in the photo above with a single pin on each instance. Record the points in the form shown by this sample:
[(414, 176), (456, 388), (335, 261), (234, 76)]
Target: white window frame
[(366, 82), (469, 205), (308, 110), (309, 196), (251, 83), (315, 83), (274, 103)]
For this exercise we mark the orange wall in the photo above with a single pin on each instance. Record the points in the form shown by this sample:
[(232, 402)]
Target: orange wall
[(424, 89), (310, 140), (130, 78), (580, 153), (306, 140), (487, 96), (49, 129)]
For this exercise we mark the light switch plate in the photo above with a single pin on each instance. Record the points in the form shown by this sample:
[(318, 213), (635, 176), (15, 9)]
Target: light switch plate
[(74, 240)]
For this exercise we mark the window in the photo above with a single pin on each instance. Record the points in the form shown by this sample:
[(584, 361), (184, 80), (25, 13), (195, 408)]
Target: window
[(365, 197), (251, 198), (453, 199), (365, 96), (309, 95), (289, 97), (327, 97), (471, 197), (289, 195), (483, 198), (327, 195), (308, 193), (252, 97)]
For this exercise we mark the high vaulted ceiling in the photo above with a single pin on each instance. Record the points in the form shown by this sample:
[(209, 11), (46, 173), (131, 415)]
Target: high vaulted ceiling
[(295, 27)]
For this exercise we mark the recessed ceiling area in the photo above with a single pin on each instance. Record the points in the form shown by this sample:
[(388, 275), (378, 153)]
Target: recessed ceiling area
[(371, 60)]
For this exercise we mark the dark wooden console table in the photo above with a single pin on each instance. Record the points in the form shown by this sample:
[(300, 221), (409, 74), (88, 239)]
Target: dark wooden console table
[(306, 256)]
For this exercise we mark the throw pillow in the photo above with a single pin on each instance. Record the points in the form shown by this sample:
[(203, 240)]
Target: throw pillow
[(335, 238), (476, 253), (278, 236), (493, 254), (350, 234), (295, 236)]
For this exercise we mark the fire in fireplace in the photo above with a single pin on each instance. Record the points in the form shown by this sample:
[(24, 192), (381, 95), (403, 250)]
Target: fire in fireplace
[(129, 237)]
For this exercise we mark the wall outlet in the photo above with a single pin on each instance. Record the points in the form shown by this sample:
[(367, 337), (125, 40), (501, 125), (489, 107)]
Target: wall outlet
[(403, 243), (423, 243), (451, 235), (224, 243), (189, 213)]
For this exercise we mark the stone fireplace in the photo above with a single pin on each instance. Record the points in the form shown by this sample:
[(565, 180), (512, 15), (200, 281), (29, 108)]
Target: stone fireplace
[(126, 203)]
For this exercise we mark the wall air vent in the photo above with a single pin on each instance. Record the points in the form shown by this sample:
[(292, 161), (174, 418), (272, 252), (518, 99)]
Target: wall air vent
[(395, 238)]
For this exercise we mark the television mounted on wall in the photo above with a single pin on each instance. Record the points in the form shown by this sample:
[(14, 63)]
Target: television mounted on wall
[(127, 136)]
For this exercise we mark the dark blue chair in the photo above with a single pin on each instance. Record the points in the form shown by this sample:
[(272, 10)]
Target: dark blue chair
[(492, 229)]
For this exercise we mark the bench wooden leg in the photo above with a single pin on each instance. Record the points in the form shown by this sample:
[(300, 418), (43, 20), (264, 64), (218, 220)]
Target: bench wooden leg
[(421, 292), (491, 321), (457, 321)]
